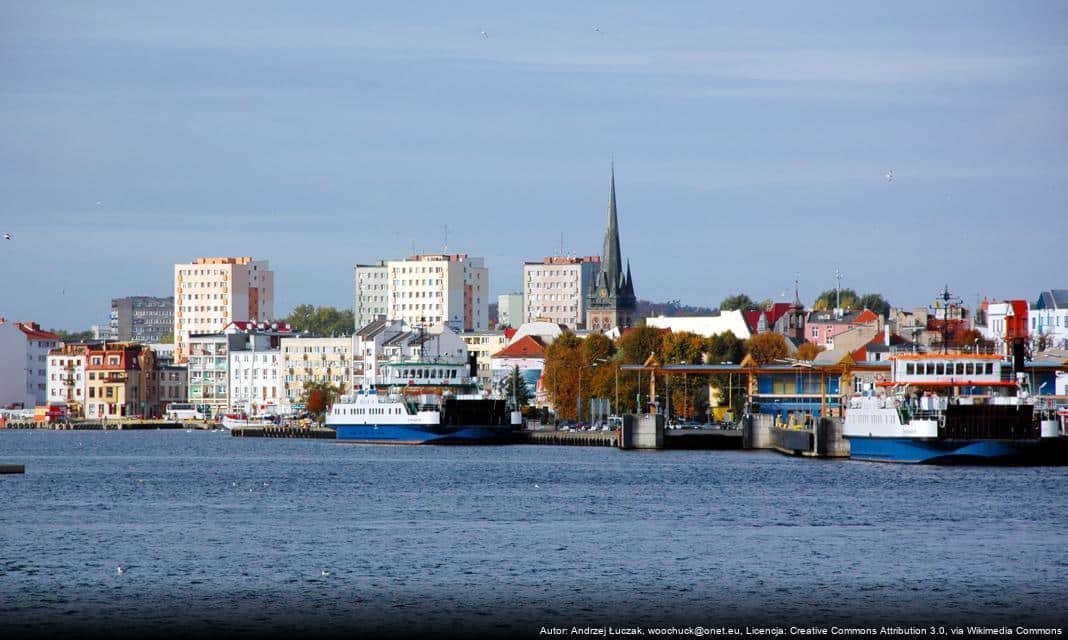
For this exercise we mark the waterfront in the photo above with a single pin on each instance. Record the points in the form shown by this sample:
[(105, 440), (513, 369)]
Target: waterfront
[(235, 535)]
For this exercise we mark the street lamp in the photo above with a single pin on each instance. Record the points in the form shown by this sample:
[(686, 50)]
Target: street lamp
[(581, 367)]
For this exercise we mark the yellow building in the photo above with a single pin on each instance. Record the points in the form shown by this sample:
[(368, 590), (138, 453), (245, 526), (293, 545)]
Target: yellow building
[(328, 360), (120, 381)]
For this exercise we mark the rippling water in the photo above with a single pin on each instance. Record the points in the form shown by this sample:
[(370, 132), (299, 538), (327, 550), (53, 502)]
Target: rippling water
[(234, 535)]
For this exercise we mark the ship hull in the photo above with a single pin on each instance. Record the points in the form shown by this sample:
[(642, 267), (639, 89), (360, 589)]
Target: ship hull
[(422, 434), (1036, 451)]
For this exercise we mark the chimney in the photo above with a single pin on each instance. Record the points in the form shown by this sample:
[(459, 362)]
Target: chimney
[(886, 334)]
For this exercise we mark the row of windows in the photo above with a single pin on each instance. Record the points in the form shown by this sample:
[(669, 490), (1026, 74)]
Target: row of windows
[(360, 411), (949, 369)]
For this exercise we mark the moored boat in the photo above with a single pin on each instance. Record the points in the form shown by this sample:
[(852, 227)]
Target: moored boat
[(952, 409)]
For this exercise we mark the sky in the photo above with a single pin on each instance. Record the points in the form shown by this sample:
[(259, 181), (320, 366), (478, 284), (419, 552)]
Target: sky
[(751, 145)]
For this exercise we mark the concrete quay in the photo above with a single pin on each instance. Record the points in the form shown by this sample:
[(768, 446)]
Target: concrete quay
[(822, 439), (97, 425), (569, 438), (282, 431)]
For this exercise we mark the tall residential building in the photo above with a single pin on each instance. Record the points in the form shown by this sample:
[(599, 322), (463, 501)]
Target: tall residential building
[(142, 319), (510, 309), (451, 288), (210, 293), (372, 293), (612, 302), (557, 289)]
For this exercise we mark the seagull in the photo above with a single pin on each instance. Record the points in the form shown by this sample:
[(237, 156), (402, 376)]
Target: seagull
[(120, 570), (7, 236), (596, 28), (484, 34), (325, 573), (536, 486), (890, 176)]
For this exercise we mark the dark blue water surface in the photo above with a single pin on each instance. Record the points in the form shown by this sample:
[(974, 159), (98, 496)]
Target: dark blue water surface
[(223, 535)]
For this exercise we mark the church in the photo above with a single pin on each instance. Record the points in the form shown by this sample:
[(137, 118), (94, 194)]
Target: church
[(611, 302)]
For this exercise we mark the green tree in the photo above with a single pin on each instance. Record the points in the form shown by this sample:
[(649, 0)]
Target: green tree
[(738, 301), (767, 347), (876, 303), (516, 388), (75, 336), (321, 321), (827, 299), (725, 347)]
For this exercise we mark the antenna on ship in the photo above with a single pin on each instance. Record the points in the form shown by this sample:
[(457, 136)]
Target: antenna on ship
[(947, 299)]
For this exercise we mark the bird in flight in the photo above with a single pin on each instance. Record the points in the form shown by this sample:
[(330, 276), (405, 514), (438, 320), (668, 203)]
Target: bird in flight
[(596, 28), (484, 34), (7, 236), (890, 176)]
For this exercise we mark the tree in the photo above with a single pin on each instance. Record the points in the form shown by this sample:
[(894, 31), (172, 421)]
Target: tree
[(767, 347), (827, 300), (562, 361), (876, 303), (970, 339), (77, 336), (321, 321), (808, 351), (319, 396), (738, 301), (725, 347), (683, 347), (516, 388), (637, 344)]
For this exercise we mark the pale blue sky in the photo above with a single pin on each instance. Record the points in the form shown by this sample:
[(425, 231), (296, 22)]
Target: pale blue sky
[(750, 143)]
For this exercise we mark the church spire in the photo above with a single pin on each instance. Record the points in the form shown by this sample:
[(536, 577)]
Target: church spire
[(612, 259)]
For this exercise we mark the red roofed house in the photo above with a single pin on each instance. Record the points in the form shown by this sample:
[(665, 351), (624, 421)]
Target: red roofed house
[(24, 348), (527, 353)]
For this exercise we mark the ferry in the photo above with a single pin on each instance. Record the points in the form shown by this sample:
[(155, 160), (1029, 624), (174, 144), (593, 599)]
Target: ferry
[(396, 418), (953, 409)]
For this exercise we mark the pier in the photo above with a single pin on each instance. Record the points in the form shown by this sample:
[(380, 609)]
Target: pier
[(282, 431), (570, 438), (98, 425)]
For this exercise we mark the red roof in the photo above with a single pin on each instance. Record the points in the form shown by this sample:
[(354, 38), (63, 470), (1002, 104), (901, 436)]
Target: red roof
[(33, 331), (525, 347), (508, 333), (866, 316), (777, 310)]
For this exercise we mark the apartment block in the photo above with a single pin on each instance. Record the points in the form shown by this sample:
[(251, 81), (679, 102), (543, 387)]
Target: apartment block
[(372, 293), (557, 290), (427, 289), (210, 293), (141, 319)]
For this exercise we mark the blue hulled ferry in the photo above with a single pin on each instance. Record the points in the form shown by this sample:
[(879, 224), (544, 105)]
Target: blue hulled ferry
[(953, 409)]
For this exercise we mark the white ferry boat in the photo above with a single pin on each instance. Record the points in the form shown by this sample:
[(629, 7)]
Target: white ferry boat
[(952, 408)]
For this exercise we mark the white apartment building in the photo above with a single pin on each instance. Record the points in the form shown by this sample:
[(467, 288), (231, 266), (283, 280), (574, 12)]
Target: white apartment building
[(24, 348), (66, 377), (557, 288), (210, 293), (255, 381), (372, 293), (510, 309), (427, 289)]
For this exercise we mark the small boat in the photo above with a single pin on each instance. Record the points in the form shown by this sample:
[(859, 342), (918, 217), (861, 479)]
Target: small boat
[(233, 420)]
